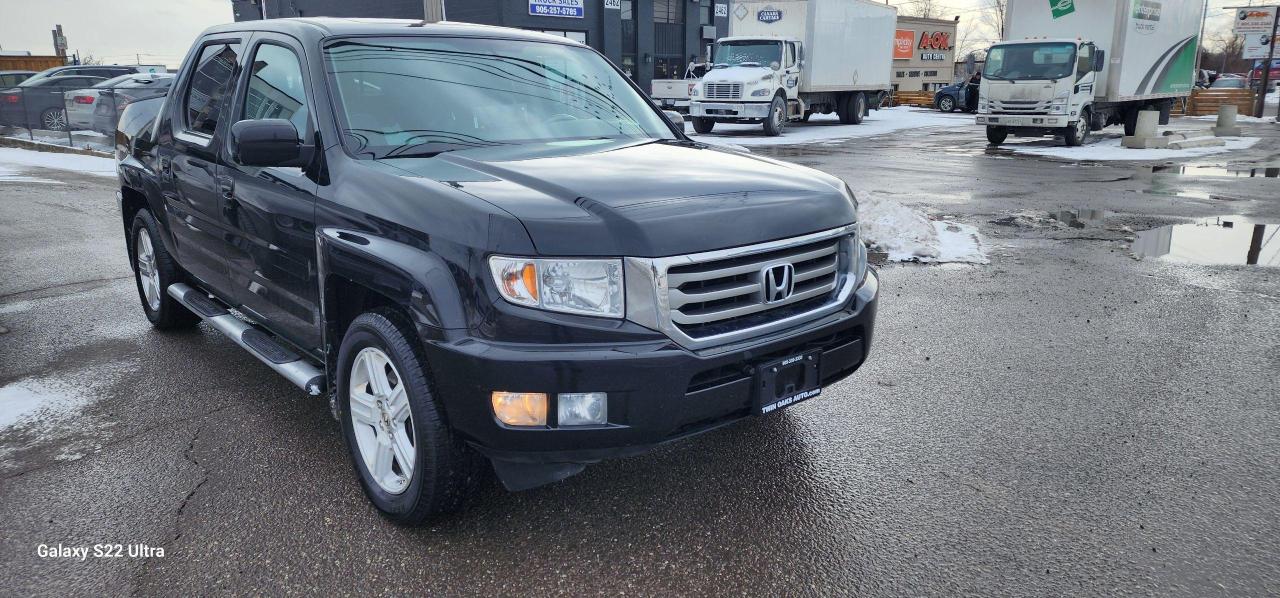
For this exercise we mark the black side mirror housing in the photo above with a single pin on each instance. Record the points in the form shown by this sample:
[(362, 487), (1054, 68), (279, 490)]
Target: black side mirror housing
[(268, 142), (1099, 60)]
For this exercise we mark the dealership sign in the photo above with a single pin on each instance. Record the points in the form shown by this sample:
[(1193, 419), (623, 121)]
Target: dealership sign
[(1254, 20), (903, 39), (938, 40), (572, 9), (1256, 45)]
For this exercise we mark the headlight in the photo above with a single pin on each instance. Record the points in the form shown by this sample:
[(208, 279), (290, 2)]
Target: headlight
[(759, 93), (576, 286), (1058, 108)]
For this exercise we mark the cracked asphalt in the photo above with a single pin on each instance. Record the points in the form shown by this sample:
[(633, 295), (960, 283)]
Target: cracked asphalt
[(1066, 420)]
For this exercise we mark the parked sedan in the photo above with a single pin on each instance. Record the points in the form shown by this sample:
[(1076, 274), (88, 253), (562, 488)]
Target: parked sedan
[(11, 78), (112, 101), (79, 102), (38, 102), (1230, 83)]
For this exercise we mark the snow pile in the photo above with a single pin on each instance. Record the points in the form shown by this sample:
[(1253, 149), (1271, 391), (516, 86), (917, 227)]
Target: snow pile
[(826, 128), (15, 159), (9, 174), (908, 235), (1109, 149)]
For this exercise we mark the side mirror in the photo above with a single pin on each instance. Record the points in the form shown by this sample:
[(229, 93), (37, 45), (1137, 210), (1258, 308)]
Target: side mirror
[(1099, 60), (268, 142), (677, 119)]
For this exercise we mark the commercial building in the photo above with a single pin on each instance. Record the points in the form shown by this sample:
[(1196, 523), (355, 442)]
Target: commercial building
[(647, 38), (924, 53)]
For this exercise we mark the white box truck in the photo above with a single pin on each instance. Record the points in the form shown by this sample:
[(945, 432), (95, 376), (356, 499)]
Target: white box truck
[(787, 59), (1068, 67)]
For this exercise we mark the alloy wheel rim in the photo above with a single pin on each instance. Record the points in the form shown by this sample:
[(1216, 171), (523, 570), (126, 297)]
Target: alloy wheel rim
[(54, 121), (777, 116), (148, 275), (946, 104), (382, 421), (1082, 129)]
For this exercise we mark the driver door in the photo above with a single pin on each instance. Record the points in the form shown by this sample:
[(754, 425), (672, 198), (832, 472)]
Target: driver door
[(791, 69), (1085, 76)]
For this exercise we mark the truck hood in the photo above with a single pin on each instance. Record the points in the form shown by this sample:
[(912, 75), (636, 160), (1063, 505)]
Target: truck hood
[(1000, 91), (640, 199), (739, 74)]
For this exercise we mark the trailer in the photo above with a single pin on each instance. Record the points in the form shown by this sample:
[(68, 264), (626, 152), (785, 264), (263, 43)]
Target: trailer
[(787, 59), (1069, 67)]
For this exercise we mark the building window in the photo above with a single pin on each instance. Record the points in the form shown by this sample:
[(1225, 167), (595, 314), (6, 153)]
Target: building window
[(901, 74), (705, 14), (668, 11), (931, 73)]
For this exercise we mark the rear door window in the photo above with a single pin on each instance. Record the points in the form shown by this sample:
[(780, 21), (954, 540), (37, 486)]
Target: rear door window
[(210, 86)]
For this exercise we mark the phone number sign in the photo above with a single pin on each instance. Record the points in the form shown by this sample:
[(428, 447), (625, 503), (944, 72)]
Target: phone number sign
[(572, 9)]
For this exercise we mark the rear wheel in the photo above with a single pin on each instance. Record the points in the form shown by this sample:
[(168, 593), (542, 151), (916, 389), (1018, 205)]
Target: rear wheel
[(777, 117), (857, 107), (54, 119), (703, 125), (947, 104), (411, 465), (997, 135), (153, 271), (1130, 122)]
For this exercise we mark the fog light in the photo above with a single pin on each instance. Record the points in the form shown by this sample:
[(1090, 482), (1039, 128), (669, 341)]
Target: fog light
[(520, 408), (582, 408)]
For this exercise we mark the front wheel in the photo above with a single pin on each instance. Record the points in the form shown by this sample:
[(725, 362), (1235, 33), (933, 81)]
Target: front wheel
[(1078, 132), (411, 465), (54, 119), (703, 125), (997, 135), (777, 118), (947, 104)]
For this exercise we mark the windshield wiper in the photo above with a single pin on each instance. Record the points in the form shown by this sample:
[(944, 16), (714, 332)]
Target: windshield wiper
[(997, 77)]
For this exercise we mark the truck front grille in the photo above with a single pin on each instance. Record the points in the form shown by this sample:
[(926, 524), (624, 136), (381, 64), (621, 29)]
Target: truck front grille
[(728, 295), (1019, 106), (723, 91)]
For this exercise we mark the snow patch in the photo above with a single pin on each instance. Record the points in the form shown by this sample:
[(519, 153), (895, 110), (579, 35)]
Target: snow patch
[(27, 401), (1109, 149), (18, 159), (908, 235), (13, 175), (826, 128)]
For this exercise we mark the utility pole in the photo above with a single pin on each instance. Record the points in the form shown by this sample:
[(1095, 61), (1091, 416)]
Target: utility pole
[(1266, 65), (433, 11)]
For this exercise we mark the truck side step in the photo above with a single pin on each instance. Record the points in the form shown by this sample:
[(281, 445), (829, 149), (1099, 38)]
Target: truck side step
[(287, 363)]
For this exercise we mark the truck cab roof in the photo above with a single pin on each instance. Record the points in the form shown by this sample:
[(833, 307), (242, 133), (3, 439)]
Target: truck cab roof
[(1040, 40), (746, 38), (317, 28)]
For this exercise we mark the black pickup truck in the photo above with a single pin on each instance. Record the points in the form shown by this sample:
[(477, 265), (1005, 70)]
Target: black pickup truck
[(482, 243)]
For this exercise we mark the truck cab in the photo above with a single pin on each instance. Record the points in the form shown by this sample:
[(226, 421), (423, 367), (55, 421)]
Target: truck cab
[(751, 80), (1038, 87)]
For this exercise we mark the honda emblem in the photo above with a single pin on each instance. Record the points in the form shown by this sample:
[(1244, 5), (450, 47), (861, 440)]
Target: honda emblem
[(777, 282)]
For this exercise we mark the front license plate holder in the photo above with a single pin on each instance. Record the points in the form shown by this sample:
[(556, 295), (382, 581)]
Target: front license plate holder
[(788, 381)]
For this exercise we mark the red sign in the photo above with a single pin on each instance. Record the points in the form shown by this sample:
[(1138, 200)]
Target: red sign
[(902, 40), (938, 40)]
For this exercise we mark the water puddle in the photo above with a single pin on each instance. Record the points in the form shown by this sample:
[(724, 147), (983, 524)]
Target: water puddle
[(1225, 240), (1081, 218), (33, 400), (1270, 171)]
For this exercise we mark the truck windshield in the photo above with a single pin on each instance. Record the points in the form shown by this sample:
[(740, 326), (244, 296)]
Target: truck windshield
[(1031, 61), (400, 97), (748, 53)]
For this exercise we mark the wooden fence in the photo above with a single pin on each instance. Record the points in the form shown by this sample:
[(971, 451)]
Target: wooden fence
[(913, 98), (30, 63), (1205, 102)]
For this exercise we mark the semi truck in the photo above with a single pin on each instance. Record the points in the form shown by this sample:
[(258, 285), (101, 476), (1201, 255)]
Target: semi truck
[(1069, 67), (787, 59)]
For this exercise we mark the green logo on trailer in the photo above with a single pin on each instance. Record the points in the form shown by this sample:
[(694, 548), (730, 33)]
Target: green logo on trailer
[(1062, 8)]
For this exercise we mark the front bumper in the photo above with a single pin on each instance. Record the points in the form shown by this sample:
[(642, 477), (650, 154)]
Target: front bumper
[(658, 392), (1025, 120), (729, 109)]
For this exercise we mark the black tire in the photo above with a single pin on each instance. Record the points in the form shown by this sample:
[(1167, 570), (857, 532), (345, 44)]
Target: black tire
[(54, 119), (703, 125), (996, 135), (1075, 136), (170, 314), (776, 120), (807, 114), (445, 470), (946, 104), (842, 109), (1130, 122), (857, 107)]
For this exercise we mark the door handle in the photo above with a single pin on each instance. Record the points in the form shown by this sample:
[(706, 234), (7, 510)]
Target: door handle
[(166, 166), (227, 187)]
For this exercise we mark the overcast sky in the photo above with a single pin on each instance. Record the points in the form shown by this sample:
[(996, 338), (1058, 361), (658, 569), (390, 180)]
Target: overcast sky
[(162, 30)]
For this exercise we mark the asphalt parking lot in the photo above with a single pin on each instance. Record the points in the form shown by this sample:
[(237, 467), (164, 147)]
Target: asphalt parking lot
[(1066, 420)]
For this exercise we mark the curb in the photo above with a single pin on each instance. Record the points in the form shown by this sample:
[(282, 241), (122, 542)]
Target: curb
[(49, 147)]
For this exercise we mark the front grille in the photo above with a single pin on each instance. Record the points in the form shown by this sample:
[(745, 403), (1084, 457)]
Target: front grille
[(1019, 106), (723, 91), (727, 295)]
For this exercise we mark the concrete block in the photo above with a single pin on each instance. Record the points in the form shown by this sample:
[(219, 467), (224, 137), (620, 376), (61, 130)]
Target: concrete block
[(1197, 142), (1135, 142), (1226, 126)]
